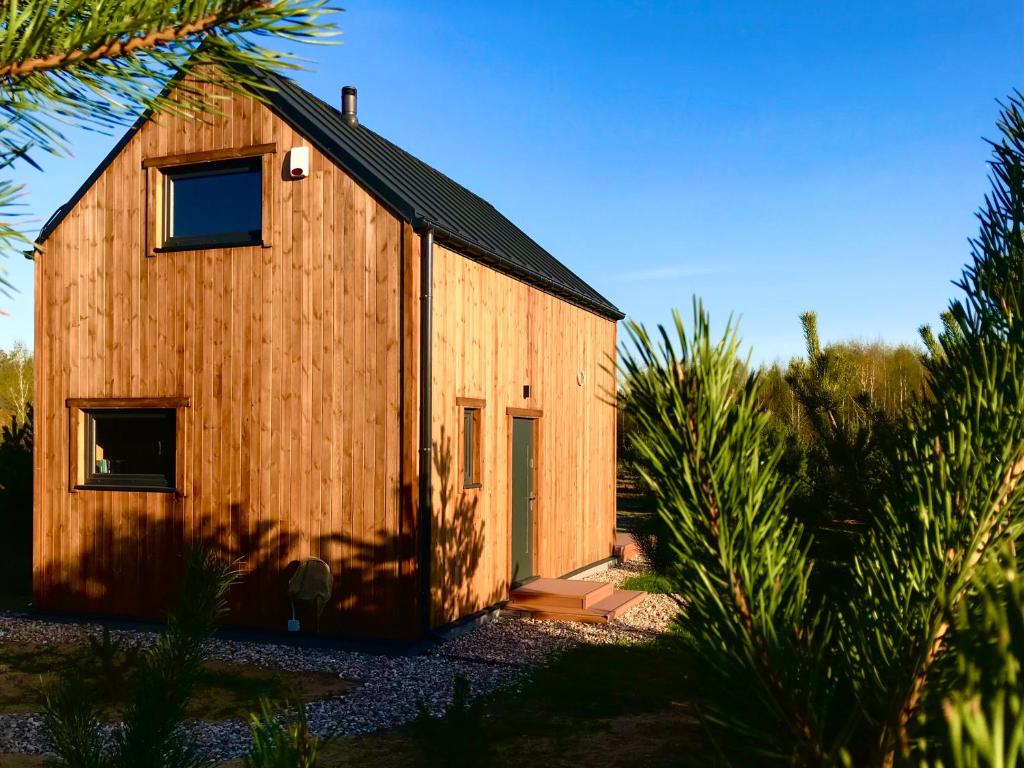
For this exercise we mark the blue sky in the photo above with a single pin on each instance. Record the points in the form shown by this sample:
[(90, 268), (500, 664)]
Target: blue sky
[(768, 157)]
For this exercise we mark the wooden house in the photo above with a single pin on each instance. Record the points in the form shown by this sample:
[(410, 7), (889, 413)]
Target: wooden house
[(276, 333)]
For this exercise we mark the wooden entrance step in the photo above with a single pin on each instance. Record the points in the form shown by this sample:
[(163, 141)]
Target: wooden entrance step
[(559, 593), (569, 600), (626, 548)]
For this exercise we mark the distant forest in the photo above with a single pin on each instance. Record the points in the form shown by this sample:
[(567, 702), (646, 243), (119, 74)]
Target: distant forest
[(862, 381), (15, 470), (15, 383), (860, 375)]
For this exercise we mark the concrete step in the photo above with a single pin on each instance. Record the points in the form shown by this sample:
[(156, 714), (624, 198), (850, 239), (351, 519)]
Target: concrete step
[(560, 593)]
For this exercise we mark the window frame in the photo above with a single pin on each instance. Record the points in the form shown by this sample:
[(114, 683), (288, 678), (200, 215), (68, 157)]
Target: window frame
[(126, 481), (169, 174), (82, 449), (473, 408)]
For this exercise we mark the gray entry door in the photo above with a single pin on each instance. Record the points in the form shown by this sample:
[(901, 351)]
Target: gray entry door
[(523, 498)]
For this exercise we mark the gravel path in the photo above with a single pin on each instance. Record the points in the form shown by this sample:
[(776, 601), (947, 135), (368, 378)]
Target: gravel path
[(497, 654)]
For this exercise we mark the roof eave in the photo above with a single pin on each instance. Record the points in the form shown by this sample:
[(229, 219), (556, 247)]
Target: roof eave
[(475, 252), (63, 210)]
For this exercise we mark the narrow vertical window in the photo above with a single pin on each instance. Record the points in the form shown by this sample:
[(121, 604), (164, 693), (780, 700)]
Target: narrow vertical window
[(470, 447)]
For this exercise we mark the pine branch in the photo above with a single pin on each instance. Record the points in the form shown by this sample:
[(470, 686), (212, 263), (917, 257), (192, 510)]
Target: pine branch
[(98, 64), (963, 581), (10, 237), (960, 495), (742, 604), (137, 44), (699, 446)]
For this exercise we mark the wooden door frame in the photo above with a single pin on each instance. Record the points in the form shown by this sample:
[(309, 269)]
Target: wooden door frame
[(535, 416)]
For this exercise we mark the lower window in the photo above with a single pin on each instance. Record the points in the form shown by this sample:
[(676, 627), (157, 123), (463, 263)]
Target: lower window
[(130, 448)]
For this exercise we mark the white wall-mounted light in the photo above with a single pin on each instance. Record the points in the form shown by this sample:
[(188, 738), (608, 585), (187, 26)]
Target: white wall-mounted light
[(298, 162)]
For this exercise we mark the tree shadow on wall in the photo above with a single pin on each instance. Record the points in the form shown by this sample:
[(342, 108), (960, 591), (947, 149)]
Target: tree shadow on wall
[(458, 542), (130, 566), (16, 441), (133, 573), (369, 592)]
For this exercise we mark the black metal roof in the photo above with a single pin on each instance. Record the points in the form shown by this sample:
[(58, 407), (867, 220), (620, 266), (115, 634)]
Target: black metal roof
[(415, 191)]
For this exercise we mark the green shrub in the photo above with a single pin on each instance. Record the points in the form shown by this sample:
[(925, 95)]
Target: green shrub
[(113, 661), (16, 441), (281, 738), (72, 723), (167, 675)]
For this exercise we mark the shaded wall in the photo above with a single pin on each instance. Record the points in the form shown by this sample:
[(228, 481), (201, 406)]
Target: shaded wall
[(493, 335)]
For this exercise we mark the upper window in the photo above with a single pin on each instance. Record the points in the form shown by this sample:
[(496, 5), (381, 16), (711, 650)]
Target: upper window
[(214, 205), (130, 448), (470, 447)]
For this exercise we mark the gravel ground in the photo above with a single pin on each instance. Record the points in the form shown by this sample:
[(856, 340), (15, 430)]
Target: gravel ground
[(494, 655)]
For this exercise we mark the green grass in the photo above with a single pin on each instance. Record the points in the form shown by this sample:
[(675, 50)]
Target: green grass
[(598, 706), (648, 582), (226, 690), (594, 681)]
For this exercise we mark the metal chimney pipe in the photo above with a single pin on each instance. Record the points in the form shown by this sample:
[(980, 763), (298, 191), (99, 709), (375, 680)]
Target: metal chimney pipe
[(348, 105)]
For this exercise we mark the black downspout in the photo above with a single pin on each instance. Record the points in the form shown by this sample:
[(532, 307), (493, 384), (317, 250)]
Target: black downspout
[(424, 522)]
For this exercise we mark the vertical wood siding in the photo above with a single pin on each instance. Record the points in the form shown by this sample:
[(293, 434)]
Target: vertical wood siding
[(291, 355), (493, 335), (300, 362)]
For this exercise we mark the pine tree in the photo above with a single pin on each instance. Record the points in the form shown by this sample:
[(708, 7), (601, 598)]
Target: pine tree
[(847, 459), (100, 63), (741, 563), (782, 677)]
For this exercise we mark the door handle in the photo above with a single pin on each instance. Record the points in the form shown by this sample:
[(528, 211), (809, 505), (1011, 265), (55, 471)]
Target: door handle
[(529, 522)]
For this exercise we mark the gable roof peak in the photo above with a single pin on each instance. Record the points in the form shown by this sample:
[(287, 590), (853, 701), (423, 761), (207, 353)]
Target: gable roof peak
[(413, 190)]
